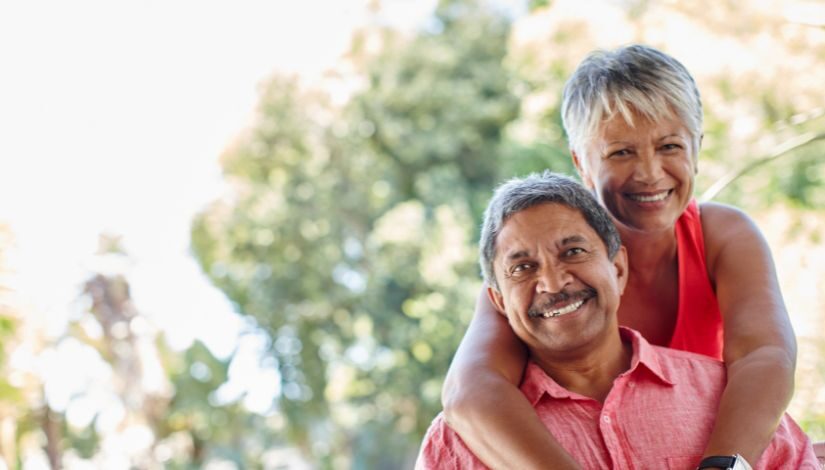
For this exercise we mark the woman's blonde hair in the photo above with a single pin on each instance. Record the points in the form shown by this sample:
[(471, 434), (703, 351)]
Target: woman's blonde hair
[(630, 79)]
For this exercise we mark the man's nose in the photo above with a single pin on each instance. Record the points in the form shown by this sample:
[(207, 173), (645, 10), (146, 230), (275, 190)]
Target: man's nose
[(553, 278)]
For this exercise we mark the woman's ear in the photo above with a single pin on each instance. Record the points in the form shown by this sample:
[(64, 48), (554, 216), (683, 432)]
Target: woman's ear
[(696, 155), (581, 169)]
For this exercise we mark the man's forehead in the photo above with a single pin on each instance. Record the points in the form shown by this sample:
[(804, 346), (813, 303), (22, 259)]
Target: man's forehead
[(545, 223)]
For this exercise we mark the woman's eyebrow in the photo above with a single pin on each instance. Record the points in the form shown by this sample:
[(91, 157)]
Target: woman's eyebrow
[(670, 135)]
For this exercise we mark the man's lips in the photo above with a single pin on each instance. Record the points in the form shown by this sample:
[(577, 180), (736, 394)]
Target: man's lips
[(561, 304), (650, 196)]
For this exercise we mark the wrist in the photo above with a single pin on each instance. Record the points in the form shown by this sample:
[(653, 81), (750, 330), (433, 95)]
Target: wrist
[(724, 462)]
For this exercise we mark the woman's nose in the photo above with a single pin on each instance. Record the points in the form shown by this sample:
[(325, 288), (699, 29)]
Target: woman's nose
[(648, 167)]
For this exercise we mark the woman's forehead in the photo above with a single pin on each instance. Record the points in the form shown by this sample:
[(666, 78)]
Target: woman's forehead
[(619, 127)]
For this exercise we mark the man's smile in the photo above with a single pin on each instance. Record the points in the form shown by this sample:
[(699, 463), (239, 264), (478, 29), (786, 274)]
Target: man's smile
[(562, 304)]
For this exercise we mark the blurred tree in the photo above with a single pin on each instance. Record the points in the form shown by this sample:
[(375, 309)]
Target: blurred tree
[(23, 417), (10, 395), (170, 417), (349, 231)]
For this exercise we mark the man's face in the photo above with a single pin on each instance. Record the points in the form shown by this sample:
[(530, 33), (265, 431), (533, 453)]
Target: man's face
[(556, 284)]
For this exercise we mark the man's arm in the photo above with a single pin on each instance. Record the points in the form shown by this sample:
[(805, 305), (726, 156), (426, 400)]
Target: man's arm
[(760, 348), (483, 404)]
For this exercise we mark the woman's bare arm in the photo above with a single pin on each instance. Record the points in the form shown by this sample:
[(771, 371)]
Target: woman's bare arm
[(482, 401), (760, 347)]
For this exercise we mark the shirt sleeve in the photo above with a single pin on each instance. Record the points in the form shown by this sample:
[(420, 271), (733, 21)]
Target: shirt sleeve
[(789, 448), (443, 449)]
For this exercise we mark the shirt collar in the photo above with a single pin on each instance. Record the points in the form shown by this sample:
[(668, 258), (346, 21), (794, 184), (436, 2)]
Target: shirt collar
[(644, 355), (536, 382)]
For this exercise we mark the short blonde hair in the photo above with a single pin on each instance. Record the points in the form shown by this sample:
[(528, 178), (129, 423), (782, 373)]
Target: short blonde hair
[(630, 79)]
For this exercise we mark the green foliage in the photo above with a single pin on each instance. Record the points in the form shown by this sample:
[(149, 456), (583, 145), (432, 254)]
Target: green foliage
[(8, 327), (536, 4), (214, 429), (348, 233), (84, 441)]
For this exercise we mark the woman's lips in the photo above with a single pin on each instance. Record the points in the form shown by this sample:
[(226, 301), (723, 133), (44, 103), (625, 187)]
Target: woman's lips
[(650, 196)]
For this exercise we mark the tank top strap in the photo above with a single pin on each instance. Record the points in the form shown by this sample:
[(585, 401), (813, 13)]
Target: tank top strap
[(698, 322)]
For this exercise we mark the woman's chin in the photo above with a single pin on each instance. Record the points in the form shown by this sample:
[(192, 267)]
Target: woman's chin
[(648, 224)]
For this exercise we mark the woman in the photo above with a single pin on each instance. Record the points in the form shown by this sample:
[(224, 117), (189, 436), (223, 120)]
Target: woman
[(700, 277)]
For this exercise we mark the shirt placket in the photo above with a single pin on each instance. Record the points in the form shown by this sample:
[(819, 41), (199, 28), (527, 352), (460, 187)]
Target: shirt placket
[(609, 426)]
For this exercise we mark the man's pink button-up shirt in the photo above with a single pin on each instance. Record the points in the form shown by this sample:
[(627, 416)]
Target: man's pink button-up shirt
[(659, 414)]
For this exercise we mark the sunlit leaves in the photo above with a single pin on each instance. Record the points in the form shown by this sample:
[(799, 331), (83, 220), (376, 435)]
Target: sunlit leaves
[(348, 233)]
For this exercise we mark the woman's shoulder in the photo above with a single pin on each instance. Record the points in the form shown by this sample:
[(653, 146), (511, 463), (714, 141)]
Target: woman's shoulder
[(716, 210), (724, 226), (722, 220)]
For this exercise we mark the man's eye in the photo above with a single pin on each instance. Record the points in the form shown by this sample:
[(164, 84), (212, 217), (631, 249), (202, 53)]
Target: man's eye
[(520, 268), (575, 251)]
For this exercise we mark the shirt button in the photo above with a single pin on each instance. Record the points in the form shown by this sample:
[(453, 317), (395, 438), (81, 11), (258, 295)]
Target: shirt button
[(631, 384), (606, 418)]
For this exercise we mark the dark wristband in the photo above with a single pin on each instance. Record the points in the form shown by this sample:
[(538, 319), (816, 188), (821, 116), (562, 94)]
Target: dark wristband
[(718, 461)]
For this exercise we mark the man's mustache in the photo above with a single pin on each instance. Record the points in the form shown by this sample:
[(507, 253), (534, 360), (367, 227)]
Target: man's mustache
[(551, 301)]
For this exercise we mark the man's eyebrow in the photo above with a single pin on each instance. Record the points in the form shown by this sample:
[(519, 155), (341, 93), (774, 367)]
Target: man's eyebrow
[(517, 255), (573, 239)]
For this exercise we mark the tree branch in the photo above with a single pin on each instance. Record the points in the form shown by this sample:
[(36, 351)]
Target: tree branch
[(786, 147)]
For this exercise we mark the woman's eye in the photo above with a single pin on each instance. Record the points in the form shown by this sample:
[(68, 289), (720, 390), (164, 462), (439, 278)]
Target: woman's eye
[(671, 147), (620, 153)]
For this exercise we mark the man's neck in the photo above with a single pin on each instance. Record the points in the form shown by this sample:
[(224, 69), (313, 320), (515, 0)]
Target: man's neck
[(592, 373)]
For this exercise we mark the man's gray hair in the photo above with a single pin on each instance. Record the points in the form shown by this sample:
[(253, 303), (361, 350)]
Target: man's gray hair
[(632, 78), (519, 194)]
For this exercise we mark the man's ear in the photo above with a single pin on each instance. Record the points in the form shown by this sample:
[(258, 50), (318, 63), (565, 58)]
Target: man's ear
[(580, 168), (496, 299), (620, 263)]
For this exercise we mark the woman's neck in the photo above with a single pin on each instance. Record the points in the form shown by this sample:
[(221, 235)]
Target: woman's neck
[(649, 252)]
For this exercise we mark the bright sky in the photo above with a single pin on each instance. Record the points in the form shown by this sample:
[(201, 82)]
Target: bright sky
[(112, 117)]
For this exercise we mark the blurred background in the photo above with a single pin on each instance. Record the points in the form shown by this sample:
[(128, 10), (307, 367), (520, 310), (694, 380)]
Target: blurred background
[(243, 235)]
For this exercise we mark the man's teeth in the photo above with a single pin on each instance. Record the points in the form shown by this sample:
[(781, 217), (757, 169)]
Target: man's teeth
[(650, 198), (564, 310)]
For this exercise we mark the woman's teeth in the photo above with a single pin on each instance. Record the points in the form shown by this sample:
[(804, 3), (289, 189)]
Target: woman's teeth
[(564, 310), (650, 198)]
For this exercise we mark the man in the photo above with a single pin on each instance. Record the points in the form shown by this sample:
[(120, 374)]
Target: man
[(555, 268)]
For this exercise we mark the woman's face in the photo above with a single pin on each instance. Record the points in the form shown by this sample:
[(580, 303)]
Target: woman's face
[(644, 174)]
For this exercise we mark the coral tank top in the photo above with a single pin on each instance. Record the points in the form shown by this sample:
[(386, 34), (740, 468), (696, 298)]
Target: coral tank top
[(698, 321)]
